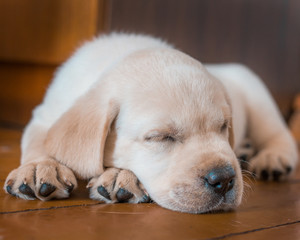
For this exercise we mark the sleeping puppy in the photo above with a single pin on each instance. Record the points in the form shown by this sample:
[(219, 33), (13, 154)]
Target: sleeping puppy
[(138, 118)]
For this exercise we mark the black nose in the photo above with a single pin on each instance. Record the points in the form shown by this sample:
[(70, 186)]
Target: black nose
[(220, 180)]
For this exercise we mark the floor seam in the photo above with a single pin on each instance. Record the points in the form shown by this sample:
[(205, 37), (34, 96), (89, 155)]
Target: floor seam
[(253, 230), (48, 208)]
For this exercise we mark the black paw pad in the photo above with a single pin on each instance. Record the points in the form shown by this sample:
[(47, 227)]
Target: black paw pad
[(70, 188), (46, 189), (243, 157), (146, 198), (9, 190), (288, 170), (26, 190), (103, 192), (264, 175), (123, 195), (276, 175)]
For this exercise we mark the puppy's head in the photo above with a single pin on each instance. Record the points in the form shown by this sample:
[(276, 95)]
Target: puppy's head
[(170, 123)]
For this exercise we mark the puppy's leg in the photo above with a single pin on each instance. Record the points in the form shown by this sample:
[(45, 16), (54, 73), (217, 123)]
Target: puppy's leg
[(245, 152), (277, 152), (117, 185), (39, 175)]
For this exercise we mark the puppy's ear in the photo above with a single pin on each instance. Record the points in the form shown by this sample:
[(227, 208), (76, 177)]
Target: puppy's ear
[(77, 139)]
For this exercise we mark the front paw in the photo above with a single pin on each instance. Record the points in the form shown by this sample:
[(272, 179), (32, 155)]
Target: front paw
[(272, 164), (117, 185), (44, 180)]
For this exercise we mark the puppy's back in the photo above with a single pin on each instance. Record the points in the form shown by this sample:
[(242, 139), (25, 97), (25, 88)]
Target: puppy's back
[(87, 65)]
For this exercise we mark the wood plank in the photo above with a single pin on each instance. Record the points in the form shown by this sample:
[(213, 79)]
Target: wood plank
[(268, 209), (285, 231), (22, 87), (264, 35), (46, 31), (143, 221)]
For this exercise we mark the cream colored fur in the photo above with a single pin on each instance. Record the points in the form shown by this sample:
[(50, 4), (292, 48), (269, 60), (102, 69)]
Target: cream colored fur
[(130, 111)]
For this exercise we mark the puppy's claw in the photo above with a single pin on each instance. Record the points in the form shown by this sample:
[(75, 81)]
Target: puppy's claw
[(91, 183), (67, 182), (9, 185), (70, 188), (26, 190), (123, 195), (46, 189), (103, 192)]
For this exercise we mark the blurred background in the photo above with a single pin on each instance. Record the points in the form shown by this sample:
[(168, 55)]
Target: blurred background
[(37, 36)]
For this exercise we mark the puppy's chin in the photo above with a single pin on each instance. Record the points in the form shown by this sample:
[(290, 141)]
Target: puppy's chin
[(215, 205), (188, 201)]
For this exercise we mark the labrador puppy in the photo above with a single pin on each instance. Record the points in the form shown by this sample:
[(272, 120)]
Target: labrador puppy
[(138, 118)]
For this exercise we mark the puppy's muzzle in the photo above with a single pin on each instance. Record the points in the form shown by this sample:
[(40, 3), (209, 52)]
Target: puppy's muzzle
[(220, 180)]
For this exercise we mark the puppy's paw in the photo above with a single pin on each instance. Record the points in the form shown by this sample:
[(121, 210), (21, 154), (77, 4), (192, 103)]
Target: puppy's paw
[(245, 152), (44, 180), (117, 185), (271, 164)]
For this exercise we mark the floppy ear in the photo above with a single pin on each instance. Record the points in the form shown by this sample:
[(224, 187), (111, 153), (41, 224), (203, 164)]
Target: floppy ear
[(77, 139)]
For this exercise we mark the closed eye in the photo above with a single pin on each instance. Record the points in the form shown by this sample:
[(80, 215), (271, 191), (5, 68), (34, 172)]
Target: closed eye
[(168, 138), (169, 135), (160, 138), (224, 126)]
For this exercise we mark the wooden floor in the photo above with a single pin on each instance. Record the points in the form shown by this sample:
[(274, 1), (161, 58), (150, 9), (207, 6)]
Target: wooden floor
[(269, 211)]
